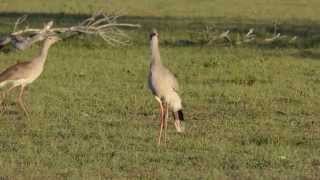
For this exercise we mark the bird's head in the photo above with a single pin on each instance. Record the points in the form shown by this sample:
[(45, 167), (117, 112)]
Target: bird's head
[(153, 33)]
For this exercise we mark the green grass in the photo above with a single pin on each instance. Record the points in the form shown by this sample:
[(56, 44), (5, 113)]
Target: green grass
[(251, 112), (263, 9)]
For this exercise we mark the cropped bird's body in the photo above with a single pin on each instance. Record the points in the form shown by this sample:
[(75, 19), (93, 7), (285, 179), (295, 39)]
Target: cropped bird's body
[(24, 73), (21, 74), (164, 87)]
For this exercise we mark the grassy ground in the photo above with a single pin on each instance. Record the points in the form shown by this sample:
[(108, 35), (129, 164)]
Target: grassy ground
[(252, 112), (263, 9)]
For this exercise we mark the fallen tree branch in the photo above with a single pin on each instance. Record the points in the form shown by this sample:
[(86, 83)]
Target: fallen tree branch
[(215, 36), (99, 24)]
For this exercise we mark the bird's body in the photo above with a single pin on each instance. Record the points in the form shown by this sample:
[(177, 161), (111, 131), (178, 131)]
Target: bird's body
[(24, 73), (164, 87), (21, 74)]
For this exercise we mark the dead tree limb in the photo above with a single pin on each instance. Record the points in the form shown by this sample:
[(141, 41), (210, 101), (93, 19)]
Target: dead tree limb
[(99, 24)]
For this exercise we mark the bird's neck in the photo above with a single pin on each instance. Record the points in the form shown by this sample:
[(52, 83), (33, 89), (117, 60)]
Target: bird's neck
[(155, 52), (44, 52)]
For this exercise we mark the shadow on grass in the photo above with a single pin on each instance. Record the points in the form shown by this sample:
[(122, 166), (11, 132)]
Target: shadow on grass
[(308, 31)]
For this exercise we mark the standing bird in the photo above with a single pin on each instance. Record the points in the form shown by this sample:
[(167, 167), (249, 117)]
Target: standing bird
[(164, 87), (24, 73)]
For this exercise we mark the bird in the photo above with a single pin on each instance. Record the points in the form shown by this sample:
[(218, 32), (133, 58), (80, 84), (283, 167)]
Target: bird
[(24, 73), (164, 86)]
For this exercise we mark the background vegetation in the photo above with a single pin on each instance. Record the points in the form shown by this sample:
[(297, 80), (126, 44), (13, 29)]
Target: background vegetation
[(263, 9), (252, 111)]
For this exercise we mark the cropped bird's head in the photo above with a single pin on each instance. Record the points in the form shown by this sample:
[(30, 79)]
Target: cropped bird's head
[(153, 33)]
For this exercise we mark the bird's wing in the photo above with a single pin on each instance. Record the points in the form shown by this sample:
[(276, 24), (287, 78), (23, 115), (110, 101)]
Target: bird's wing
[(14, 72), (172, 80), (175, 84), (150, 84)]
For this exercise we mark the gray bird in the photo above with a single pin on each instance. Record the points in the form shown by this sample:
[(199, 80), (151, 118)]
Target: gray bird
[(164, 87), (24, 73)]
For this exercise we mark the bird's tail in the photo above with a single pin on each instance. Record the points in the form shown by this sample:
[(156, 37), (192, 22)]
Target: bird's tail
[(180, 115), (174, 102), (179, 120)]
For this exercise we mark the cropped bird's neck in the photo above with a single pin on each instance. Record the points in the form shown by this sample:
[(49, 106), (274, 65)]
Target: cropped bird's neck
[(44, 52), (155, 52)]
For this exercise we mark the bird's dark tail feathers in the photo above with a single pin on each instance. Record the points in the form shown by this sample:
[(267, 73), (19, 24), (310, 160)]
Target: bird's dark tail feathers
[(178, 117)]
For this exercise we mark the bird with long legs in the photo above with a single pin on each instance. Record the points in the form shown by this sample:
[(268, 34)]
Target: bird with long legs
[(164, 87), (24, 73)]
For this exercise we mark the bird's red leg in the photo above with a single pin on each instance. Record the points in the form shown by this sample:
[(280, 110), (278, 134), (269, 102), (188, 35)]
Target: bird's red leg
[(166, 116), (3, 96), (161, 120), (161, 123), (5, 93), (20, 101)]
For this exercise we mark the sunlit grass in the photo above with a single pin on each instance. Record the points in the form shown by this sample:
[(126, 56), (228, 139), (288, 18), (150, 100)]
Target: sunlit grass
[(264, 9), (248, 114), (251, 112)]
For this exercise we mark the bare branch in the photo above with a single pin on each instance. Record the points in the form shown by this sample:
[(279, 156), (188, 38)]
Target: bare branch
[(210, 36), (250, 33), (19, 21), (99, 24), (250, 36), (277, 36), (293, 39), (225, 35)]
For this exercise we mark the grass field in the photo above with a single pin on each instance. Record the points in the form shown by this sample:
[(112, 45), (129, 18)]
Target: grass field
[(252, 112), (263, 9)]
